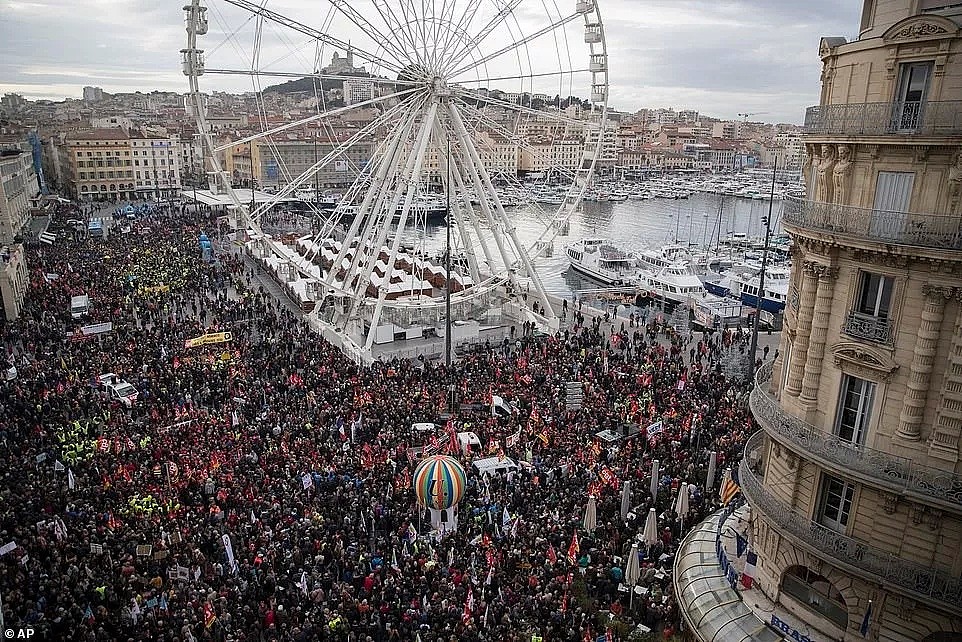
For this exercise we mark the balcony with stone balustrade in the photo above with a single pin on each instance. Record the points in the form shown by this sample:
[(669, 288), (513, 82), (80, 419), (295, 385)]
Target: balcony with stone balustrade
[(919, 119), (921, 230), (934, 586), (884, 470)]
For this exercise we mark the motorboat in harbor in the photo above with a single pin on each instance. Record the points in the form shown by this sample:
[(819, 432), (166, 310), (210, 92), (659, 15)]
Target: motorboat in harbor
[(713, 312), (602, 262), (745, 282), (675, 284)]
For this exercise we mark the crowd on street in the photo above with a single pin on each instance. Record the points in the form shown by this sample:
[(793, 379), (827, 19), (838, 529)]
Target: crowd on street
[(257, 485)]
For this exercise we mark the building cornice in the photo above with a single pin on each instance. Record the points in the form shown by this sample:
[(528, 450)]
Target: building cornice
[(924, 27)]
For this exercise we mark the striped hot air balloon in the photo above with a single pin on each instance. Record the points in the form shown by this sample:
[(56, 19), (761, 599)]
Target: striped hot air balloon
[(439, 482)]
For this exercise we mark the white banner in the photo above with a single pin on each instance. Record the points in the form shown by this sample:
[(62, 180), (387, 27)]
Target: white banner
[(6, 548), (230, 553), (97, 328)]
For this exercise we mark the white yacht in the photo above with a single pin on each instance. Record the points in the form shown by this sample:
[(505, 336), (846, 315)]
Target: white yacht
[(676, 284), (604, 263), (744, 285)]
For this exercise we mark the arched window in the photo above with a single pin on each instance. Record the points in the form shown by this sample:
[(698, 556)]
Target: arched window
[(816, 593)]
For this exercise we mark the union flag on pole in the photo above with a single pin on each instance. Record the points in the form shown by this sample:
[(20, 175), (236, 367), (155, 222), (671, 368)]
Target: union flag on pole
[(575, 548), (209, 616), (468, 607)]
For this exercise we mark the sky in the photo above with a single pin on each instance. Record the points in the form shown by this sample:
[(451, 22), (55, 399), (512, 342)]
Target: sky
[(720, 57)]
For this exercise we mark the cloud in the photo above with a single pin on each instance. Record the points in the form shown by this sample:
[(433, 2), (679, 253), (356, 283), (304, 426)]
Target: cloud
[(721, 57)]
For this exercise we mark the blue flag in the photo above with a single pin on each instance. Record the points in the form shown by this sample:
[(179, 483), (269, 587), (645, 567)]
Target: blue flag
[(863, 630), (740, 545)]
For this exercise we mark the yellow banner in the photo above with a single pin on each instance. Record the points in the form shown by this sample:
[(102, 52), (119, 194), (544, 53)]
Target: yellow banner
[(214, 337), (155, 288)]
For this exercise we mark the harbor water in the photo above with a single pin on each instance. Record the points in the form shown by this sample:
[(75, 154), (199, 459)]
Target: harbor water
[(632, 226)]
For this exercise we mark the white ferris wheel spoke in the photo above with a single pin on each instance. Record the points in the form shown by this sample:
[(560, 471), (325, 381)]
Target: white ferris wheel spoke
[(374, 194), (467, 94), (314, 33), (418, 160), (514, 138), (482, 188), (414, 28), (470, 213), (478, 40), (509, 227), (448, 10), (332, 155), (310, 119), (266, 73), (517, 44), (395, 24), (546, 74), (384, 40)]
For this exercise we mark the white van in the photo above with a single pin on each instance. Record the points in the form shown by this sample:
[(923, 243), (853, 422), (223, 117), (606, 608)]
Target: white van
[(79, 306), (492, 465), (118, 390)]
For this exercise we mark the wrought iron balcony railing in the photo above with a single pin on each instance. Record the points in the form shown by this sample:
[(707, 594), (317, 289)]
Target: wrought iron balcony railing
[(878, 468), (901, 118), (881, 226), (868, 327), (935, 586)]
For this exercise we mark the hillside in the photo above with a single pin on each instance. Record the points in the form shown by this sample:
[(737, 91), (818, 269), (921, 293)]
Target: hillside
[(307, 85)]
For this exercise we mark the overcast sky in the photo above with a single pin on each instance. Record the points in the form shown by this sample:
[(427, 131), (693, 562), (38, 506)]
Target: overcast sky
[(720, 57)]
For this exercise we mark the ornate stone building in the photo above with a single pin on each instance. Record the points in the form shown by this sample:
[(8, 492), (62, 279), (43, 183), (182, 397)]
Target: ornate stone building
[(855, 480)]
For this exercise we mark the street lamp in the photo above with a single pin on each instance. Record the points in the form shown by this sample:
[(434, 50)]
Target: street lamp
[(767, 220), (447, 285)]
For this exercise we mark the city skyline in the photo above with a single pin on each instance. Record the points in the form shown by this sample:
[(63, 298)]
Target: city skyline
[(720, 58)]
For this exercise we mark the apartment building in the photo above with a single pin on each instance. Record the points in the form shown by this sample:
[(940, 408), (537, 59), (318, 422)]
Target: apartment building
[(156, 164), (855, 479), (114, 164), (18, 187)]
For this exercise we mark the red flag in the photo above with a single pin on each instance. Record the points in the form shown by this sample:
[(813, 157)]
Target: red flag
[(209, 616), (453, 439), (748, 577), (468, 606), (552, 555), (575, 548)]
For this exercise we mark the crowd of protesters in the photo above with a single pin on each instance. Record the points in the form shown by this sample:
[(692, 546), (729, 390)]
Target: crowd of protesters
[(259, 486)]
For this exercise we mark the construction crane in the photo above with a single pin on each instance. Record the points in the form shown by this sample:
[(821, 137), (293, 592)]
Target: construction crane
[(755, 113)]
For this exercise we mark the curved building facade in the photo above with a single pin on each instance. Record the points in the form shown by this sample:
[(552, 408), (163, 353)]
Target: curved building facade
[(855, 481)]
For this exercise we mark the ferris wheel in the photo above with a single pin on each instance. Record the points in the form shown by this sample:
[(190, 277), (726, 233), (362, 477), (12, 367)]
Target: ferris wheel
[(404, 121)]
